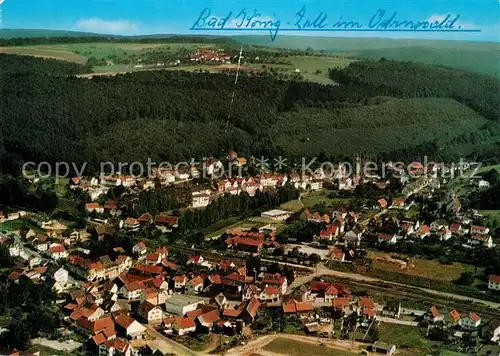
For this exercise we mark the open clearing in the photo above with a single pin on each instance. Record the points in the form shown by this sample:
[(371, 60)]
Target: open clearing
[(423, 268), (45, 52)]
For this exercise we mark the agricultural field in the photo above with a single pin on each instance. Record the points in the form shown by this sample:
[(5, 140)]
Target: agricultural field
[(285, 346), (419, 267), (55, 52)]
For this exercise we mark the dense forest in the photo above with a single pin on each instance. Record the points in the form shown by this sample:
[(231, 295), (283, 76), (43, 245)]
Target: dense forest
[(32, 41), (383, 108)]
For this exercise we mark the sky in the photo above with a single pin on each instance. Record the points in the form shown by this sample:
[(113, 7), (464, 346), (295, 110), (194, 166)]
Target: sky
[(478, 19)]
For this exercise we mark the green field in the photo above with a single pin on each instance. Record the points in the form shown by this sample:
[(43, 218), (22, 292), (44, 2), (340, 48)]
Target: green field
[(312, 68)]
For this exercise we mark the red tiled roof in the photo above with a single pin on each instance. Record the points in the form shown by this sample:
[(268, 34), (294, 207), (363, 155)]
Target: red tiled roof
[(147, 217), (434, 311), (366, 302), (181, 278), (185, 323), (294, 307), (149, 269), (124, 320), (209, 318), (341, 302), (194, 313), (169, 264), (369, 312), (57, 249), (271, 291), (480, 228), (252, 307), (331, 290), (474, 317), (455, 315), (494, 278), (99, 339)]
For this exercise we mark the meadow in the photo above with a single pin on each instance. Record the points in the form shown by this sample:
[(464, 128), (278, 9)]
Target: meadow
[(422, 267)]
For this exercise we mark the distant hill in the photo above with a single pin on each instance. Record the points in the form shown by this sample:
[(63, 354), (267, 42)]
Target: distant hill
[(25, 33), (481, 57)]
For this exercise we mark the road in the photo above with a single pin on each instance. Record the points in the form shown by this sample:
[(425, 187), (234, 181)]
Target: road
[(168, 345), (396, 321)]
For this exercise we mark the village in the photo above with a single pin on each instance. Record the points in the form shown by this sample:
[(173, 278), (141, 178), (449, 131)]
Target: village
[(297, 268)]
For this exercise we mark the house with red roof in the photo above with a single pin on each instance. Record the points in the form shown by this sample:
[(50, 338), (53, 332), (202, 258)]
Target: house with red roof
[(494, 282), (454, 317), (382, 203), (275, 280), (341, 304), (245, 244), (129, 327), (145, 218), (131, 224), (91, 207), (481, 239), (270, 294), (183, 326), (132, 290), (294, 306), (140, 248), (116, 346), (208, 320), (423, 231), (476, 229), (470, 322), (195, 285), (57, 251), (433, 315), (179, 281)]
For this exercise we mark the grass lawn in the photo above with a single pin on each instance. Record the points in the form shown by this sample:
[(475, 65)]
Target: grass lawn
[(409, 340), (298, 348), (18, 224), (423, 268)]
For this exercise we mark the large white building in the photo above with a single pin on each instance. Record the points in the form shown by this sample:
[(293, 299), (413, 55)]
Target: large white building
[(278, 215), (180, 304)]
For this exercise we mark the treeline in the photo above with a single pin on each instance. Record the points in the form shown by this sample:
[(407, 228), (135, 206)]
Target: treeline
[(31, 41), (408, 79), (25, 65)]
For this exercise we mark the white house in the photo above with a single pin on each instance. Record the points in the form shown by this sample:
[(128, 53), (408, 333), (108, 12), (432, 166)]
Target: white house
[(478, 239), (132, 328), (140, 248), (483, 184), (471, 322), (389, 239), (184, 325), (195, 285), (494, 282), (57, 251), (152, 313), (445, 233), (475, 229)]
